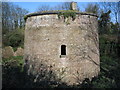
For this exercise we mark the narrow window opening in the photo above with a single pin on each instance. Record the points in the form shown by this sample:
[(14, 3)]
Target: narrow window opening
[(63, 49)]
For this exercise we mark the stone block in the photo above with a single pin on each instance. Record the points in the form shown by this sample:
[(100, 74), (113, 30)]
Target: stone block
[(19, 52), (7, 52)]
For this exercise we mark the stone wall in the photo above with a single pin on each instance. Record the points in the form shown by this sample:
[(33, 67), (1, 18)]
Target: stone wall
[(19, 52), (8, 52), (44, 35)]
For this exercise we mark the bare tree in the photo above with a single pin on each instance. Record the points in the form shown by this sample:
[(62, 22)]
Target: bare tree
[(61, 6), (12, 16), (114, 7), (44, 8), (64, 6), (92, 8)]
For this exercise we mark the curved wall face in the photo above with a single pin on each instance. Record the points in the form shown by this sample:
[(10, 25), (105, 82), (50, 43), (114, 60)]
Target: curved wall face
[(70, 48)]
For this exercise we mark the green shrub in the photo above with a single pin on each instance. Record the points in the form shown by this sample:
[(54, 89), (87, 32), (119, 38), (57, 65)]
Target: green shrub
[(14, 38), (17, 59)]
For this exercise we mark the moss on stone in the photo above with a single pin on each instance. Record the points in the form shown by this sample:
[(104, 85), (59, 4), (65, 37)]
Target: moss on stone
[(60, 11), (65, 13), (25, 17)]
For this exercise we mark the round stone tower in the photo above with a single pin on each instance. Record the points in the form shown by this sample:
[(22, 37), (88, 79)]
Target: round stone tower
[(66, 46)]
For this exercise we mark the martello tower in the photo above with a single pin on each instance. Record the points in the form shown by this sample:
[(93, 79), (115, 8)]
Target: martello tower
[(67, 45)]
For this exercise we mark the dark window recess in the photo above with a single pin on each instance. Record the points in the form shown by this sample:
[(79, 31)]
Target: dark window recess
[(63, 49)]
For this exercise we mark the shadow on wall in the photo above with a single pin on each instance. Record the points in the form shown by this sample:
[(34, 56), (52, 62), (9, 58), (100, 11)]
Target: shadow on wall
[(16, 76)]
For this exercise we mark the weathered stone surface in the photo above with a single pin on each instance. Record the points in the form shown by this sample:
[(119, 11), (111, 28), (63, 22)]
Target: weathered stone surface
[(19, 52), (44, 36), (7, 52)]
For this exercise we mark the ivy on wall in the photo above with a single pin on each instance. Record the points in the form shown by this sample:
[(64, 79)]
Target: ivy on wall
[(67, 14)]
